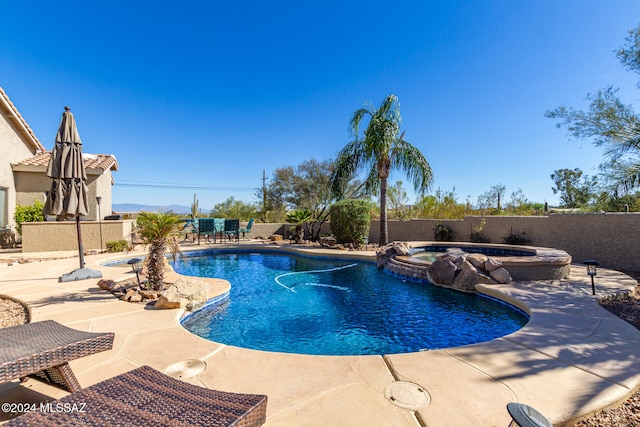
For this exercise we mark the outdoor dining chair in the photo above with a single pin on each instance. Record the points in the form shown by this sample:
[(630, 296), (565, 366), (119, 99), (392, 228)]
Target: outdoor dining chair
[(232, 229), (247, 229), (206, 227)]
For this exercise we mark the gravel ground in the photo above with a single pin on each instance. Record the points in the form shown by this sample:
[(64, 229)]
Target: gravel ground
[(627, 308), (12, 313)]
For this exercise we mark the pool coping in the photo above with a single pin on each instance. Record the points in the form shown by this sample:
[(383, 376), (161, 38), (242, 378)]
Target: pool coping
[(571, 359)]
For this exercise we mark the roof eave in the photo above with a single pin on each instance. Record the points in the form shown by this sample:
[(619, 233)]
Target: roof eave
[(19, 124)]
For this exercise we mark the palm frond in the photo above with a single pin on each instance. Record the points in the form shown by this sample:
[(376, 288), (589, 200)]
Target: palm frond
[(408, 158)]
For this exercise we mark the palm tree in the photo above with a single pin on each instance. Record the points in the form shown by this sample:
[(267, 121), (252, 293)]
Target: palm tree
[(158, 230), (378, 151), (299, 217)]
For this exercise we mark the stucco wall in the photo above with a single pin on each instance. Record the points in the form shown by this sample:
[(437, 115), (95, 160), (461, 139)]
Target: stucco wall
[(62, 236), (611, 238), (13, 149), (33, 185)]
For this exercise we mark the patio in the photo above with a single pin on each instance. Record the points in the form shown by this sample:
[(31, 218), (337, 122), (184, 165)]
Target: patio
[(572, 358)]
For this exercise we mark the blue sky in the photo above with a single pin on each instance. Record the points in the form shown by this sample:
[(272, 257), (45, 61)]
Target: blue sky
[(210, 93)]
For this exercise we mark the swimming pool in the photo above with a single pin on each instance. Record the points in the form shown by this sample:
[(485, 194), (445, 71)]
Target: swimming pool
[(298, 304)]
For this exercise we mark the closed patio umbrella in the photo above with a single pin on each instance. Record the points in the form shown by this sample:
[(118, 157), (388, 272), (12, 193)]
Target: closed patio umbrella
[(68, 196)]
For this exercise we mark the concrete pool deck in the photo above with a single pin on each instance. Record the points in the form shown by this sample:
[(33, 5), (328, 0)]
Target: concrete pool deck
[(572, 358)]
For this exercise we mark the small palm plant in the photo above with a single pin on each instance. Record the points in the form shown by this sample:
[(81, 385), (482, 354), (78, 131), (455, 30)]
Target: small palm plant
[(299, 217), (160, 231)]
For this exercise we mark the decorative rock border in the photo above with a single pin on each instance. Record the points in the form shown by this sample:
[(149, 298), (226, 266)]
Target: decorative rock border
[(541, 264), (188, 293)]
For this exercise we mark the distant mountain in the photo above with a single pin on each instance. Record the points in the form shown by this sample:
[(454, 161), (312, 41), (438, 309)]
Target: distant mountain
[(134, 207)]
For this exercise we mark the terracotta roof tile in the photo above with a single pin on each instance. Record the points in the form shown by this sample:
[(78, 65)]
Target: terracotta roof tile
[(91, 161)]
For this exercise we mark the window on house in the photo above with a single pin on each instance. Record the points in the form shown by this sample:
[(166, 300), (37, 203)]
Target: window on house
[(3, 207)]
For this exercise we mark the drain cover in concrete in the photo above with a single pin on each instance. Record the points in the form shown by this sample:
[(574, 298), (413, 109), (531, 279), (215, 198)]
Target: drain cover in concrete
[(407, 395), (185, 369)]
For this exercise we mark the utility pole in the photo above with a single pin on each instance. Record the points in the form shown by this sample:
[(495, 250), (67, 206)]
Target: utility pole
[(264, 192)]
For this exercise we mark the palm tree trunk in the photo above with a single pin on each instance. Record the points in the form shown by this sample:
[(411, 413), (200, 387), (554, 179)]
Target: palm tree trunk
[(384, 233), (156, 263)]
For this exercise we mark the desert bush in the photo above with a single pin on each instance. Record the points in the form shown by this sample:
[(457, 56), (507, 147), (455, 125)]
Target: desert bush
[(350, 221), (443, 233), (516, 239), (117, 246)]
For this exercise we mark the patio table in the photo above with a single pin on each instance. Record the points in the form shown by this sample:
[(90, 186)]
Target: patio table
[(44, 349)]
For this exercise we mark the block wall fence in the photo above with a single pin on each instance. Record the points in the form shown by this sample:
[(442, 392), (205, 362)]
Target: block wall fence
[(611, 238)]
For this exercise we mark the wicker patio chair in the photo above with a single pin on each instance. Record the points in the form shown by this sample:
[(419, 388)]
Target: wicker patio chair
[(44, 349), (146, 397)]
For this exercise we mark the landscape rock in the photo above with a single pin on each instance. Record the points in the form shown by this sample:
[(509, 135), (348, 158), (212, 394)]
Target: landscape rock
[(389, 250), (466, 278), (187, 292), (107, 284), (135, 297), (443, 271), (477, 260), (501, 275), (492, 264), (149, 294), (462, 271)]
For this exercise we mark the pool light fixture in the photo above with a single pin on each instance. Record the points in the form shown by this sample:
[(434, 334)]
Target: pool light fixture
[(135, 264), (592, 270)]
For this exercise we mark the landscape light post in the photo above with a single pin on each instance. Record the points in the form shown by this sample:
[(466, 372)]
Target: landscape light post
[(135, 266), (592, 270), (98, 200)]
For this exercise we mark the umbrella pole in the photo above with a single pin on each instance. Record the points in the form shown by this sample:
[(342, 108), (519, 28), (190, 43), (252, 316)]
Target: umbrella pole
[(80, 273), (80, 248)]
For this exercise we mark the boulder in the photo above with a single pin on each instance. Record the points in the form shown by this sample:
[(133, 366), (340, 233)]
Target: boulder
[(467, 278), (492, 264), (394, 248), (501, 275), (187, 292), (477, 260), (442, 271), (456, 251), (107, 284), (485, 279), (147, 294)]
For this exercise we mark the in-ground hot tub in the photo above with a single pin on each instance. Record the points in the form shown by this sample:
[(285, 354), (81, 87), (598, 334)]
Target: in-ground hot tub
[(522, 262)]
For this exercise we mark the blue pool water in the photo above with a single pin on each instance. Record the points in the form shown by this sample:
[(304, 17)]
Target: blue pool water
[(297, 304)]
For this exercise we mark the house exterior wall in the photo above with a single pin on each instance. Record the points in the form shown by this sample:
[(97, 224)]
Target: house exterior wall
[(33, 185), (103, 187), (13, 149)]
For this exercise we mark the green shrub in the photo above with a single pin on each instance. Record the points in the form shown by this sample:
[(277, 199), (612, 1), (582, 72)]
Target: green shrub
[(350, 221), (516, 239), (117, 246), (443, 233), (31, 213), (477, 234)]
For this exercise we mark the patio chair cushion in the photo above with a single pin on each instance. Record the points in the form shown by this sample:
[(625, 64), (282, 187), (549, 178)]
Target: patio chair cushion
[(146, 397)]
